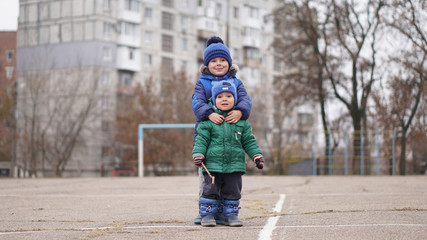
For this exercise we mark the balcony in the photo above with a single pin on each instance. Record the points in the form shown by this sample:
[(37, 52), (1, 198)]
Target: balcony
[(128, 59), (249, 41), (206, 27), (129, 40), (128, 15)]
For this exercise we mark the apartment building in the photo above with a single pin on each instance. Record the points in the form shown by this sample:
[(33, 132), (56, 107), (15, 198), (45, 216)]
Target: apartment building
[(7, 97), (111, 45)]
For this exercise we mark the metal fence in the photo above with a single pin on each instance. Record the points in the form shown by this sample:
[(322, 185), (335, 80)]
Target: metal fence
[(374, 155)]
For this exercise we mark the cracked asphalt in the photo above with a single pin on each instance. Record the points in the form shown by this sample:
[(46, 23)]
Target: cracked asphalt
[(321, 207)]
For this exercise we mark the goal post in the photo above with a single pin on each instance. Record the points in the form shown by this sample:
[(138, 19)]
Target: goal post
[(141, 128)]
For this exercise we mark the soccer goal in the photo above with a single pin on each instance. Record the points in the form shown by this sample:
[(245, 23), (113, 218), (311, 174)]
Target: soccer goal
[(141, 128)]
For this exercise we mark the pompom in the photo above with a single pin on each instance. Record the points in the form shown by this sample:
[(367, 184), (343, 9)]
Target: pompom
[(214, 39)]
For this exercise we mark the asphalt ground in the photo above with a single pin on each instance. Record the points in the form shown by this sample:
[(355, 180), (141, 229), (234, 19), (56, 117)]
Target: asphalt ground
[(272, 207)]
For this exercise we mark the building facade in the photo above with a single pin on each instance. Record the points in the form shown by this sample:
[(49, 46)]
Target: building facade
[(7, 99)]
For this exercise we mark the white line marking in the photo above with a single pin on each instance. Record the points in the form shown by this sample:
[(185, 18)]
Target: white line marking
[(357, 225), (269, 227), (279, 204)]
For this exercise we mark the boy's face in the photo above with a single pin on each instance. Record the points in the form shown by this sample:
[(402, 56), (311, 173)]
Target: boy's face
[(218, 66), (224, 101)]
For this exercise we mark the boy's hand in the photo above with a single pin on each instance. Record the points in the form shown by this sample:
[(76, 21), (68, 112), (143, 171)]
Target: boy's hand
[(216, 118), (198, 161), (259, 161), (234, 116)]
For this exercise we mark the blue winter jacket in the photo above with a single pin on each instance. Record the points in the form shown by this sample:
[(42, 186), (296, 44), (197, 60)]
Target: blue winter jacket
[(203, 92)]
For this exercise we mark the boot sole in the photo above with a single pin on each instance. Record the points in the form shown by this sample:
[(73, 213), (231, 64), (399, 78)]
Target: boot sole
[(234, 224), (209, 224)]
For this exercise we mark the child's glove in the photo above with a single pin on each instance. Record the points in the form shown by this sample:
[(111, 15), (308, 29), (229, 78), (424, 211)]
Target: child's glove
[(198, 159), (259, 160)]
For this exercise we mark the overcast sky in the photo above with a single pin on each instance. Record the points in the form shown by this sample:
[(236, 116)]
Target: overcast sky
[(9, 12)]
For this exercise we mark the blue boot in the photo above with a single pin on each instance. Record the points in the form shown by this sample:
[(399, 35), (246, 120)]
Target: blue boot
[(231, 213), (208, 209), (198, 220)]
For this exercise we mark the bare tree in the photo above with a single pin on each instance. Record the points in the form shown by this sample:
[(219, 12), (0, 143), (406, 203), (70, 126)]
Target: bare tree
[(299, 47), (54, 107), (406, 86), (409, 19), (342, 36), (164, 101)]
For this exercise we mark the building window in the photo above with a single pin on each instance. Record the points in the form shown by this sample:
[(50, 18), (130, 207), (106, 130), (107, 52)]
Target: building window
[(251, 53), (167, 43), (264, 60), (235, 32), (105, 102), (9, 72), (303, 138), (130, 29), (148, 14), (9, 56), (167, 63), (125, 79), (148, 37), (253, 12), (185, 3), (148, 60), (105, 78), (218, 9), (184, 66), (132, 5), (167, 20), (104, 126), (106, 53), (131, 53), (305, 119), (236, 54), (107, 28), (167, 3), (235, 12), (185, 22), (105, 151), (277, 64), (184, 44), (44, 11), (107, 4)]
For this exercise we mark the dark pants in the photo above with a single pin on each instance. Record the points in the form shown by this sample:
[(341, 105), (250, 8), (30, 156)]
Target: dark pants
[(227, 186)]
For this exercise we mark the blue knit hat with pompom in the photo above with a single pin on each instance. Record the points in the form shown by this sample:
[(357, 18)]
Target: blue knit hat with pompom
[(215, 48), (223, 86)]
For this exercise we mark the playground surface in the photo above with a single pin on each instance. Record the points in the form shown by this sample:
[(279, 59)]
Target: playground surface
[(272, 207)]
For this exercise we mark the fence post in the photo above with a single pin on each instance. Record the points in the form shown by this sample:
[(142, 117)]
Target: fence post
[(393, 156), (361, 153), (345, 154), (330, 154), (378, 154), (140, 151), (314, 156)]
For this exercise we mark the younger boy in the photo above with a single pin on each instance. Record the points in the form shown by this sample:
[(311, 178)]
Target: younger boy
[(222, 147)]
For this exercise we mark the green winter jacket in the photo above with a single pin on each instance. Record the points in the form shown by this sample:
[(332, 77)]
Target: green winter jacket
[(224, 145)]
